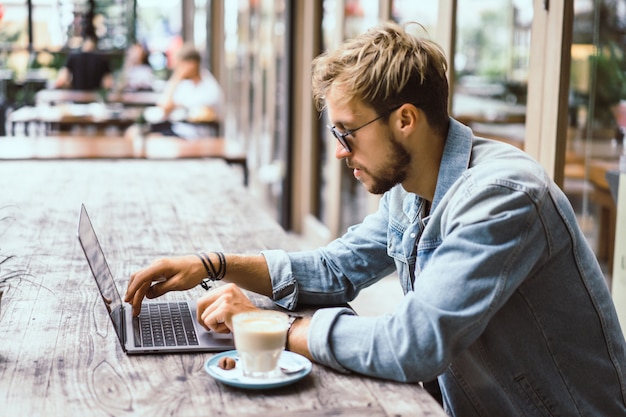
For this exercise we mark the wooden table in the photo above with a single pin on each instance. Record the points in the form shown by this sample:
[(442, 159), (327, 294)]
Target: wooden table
[(93, 117), (59, 356), (131, 98), (97, 147), (601, 195), (96, 116), (62, 95)]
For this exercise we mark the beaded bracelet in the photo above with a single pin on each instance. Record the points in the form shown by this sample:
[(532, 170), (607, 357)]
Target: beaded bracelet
[(213, 274)]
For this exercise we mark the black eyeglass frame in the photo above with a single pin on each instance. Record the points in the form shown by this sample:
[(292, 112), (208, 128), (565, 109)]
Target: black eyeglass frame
[(341, 137)]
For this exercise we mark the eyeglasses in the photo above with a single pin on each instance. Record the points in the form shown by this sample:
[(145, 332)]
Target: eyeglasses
[(341, 137)]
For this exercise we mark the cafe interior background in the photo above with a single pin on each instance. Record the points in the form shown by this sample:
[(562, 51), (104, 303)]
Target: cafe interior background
[(551, 83)]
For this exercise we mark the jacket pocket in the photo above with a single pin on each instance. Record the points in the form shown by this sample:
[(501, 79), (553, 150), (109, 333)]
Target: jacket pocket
[(535, 403)]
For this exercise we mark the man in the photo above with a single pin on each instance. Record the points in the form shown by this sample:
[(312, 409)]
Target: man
[(85, 70), (505, 304), (192, 97)]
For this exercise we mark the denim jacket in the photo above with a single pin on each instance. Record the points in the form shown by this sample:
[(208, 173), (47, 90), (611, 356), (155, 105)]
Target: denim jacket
[(505, 303)]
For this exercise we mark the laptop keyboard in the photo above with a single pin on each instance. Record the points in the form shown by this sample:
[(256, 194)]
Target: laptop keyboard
[(165, 324)]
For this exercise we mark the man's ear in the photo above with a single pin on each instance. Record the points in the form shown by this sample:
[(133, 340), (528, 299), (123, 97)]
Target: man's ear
[(408, 117)]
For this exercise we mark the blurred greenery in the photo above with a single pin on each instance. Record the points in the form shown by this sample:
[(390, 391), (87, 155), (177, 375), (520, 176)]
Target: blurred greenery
[(609, 61), (9, 38), (611, 81)]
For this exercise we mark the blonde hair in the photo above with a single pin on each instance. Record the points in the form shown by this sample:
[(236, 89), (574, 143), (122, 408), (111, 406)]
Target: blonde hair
[(384, 68)]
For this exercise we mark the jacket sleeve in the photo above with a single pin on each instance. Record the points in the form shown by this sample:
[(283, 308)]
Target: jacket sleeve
[(333, 274)]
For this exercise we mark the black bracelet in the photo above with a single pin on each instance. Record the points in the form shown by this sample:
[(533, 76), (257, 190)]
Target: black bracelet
[(205, 281), (209, 273), (222, 271), (213, 274)]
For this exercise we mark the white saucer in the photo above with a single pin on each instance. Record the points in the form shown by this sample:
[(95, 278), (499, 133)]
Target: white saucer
[(235, 378)]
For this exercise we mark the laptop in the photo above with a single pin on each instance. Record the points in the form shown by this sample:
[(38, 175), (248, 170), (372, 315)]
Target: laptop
[(162, 326)]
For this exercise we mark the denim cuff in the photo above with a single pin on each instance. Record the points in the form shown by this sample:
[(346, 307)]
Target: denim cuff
[(319, 338), (284, 285)]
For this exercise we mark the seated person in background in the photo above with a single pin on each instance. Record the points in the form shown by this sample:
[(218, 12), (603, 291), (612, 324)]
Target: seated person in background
[(506, 310), (85, 70), (192, 96), (137, 74)]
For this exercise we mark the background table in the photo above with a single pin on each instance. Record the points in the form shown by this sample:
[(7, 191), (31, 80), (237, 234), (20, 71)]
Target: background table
[(58, 352), (133, 98), (107, 147), (94, 117)]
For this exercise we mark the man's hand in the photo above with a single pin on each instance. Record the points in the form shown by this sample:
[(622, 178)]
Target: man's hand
[(163, 275), (217, 308)]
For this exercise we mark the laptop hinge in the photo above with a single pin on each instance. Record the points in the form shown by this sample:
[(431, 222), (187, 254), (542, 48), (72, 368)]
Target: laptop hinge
[(123, 327)]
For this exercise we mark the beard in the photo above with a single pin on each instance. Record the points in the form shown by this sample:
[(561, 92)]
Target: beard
[(394, 172)]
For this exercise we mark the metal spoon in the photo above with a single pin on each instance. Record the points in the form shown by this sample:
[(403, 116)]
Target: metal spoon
[(287, 368), (290, 368)]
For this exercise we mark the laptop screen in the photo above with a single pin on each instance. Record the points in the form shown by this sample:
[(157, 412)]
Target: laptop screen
[(101, 272)]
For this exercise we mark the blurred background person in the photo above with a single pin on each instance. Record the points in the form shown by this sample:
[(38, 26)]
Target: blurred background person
[(192, 99), (137, 74), (86, 69)]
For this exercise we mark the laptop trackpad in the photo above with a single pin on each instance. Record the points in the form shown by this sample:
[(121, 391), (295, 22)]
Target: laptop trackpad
[(216, 340)]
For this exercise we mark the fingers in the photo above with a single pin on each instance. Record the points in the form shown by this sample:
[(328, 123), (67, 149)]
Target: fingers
[(217, 307), (136, 298), (157, 271), (213, 319), (141, 283)]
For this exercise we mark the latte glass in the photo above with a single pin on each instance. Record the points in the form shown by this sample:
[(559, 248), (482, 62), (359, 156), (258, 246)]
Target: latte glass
[(260, 338)]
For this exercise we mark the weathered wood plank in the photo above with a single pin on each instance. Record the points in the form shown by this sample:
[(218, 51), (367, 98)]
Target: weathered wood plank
[(58, 353)]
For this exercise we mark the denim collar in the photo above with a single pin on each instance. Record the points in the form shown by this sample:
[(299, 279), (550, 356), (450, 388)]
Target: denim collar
[(455, 159)]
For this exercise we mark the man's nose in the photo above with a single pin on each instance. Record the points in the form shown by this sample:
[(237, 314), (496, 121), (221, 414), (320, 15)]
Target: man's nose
[(340, 151)]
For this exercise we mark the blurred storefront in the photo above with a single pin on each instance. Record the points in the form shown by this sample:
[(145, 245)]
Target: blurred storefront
[(510, 66)]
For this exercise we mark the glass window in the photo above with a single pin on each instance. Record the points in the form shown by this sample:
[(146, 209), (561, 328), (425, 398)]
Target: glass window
[(491, 67), (159, 27), (256, 66), (13, 24), (359, 15), (31, 56), (491, 71), (597, 121), (341, 200), (58, 25), (424, 13), (200, 24)]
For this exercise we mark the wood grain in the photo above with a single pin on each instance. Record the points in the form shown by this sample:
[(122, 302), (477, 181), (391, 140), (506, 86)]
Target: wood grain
[(58, 352)]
